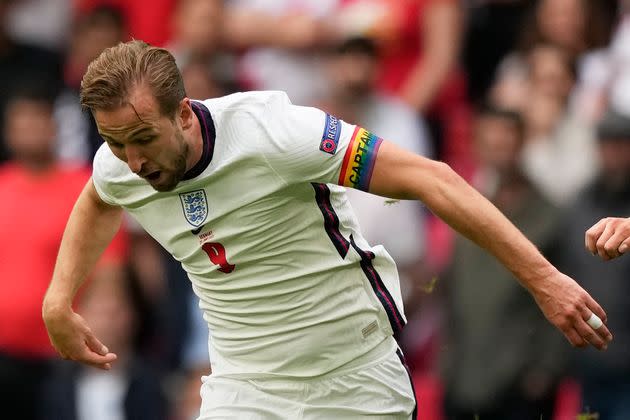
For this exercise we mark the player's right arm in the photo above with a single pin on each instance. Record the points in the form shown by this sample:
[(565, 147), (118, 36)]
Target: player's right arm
[(90, 228)]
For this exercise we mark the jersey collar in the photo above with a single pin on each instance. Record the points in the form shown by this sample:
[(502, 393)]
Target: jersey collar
[(208, 133)]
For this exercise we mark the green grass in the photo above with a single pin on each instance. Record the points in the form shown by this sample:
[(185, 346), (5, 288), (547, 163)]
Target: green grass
[(429, 288), (588, 416)]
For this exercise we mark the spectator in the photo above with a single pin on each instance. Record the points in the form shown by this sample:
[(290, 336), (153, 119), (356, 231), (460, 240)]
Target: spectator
[(618, 82), (492, 28), (197, 28), (576, 26), (559, 154), (146, 21), (607, 83), (22, 64), (605, 377), (197, 41), (37, 195), (199, 81), (283, 41), (98, 29), (491, 370), (130, 391)]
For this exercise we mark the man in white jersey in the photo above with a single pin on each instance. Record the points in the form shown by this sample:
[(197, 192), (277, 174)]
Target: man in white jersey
[(245, 191)]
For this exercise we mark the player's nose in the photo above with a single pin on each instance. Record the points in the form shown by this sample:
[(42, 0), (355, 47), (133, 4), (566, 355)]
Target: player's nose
[(135, 159)]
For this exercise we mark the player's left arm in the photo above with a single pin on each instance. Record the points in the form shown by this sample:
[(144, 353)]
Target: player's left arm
[(402, 175)]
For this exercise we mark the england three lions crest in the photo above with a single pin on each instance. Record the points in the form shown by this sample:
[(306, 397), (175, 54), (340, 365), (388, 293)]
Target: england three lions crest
[(195, 206)]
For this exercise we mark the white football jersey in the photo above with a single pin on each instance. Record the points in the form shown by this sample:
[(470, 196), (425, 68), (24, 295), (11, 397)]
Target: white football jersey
[(287, 283)]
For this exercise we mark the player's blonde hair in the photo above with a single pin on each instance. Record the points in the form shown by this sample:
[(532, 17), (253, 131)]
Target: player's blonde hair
[(111, 76)]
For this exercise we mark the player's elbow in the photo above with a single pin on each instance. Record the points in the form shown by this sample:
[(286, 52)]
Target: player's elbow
[(436, 180), (403, 175), (443, 171), (447, 175)]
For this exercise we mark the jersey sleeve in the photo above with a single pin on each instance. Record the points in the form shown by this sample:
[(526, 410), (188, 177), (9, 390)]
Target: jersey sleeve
[(304, 144), (99, 176)]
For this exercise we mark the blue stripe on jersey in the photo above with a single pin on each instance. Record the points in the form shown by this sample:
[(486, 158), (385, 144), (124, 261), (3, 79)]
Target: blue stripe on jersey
[(414, 416), (331, 221), (208, 134), (395, 319)]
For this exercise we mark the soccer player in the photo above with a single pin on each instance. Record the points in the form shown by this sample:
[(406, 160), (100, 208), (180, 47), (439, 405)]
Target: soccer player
[(246, 191)]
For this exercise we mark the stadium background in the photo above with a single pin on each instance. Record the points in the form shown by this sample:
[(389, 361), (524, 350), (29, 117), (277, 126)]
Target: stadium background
[(528, 100)]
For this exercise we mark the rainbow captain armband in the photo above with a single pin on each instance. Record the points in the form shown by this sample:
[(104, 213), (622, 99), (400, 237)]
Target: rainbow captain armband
[(358, 163)]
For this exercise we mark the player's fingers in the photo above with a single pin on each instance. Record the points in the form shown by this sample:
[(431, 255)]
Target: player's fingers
[(604, 333), (593, 308), (95, 345), (574, 338), (91, 358), (611, 247), (589, 334), (96, 353), (625, 246), (103, 366), (94, 359), (592, 235), (609, 230)]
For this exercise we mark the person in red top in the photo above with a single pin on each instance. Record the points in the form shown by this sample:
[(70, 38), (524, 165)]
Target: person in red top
[(37, 195)]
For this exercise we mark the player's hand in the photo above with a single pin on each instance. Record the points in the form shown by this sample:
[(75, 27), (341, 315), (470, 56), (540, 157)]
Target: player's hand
[(567, 306), (609, 238), (73, 339)]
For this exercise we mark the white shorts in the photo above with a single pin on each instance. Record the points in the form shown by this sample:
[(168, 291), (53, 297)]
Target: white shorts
[(380, 390)]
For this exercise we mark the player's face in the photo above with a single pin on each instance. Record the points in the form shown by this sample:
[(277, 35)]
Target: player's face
[(153, 145)]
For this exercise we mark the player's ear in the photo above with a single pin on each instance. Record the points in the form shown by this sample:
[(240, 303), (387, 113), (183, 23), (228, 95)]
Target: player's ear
[(185, 113)]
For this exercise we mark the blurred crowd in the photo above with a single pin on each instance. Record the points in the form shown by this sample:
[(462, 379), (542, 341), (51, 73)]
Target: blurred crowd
[(528, 100)]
